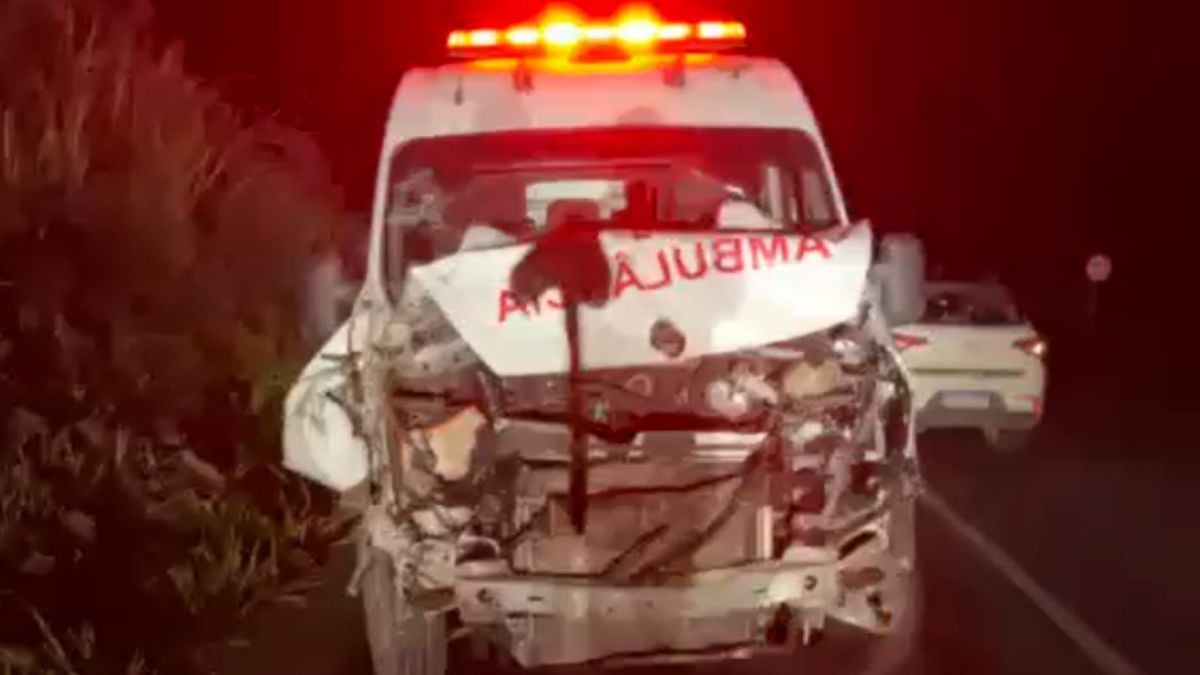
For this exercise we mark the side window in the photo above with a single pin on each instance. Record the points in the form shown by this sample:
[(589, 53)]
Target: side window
[(393, 261), (796, 195), (416, 201), (782, 195), (818, 209), (815, 208), (774, 198)]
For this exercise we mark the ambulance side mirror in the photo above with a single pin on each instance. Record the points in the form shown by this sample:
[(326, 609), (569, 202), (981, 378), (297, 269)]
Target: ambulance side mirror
[(899, 271)]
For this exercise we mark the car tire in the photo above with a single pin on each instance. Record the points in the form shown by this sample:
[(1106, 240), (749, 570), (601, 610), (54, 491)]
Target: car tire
[(1007, 440), (403, 641)]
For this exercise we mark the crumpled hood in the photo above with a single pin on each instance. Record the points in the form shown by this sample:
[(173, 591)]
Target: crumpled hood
[(722, 291)]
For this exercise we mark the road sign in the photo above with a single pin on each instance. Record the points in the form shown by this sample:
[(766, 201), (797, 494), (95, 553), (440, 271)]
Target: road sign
[(1099, 268)]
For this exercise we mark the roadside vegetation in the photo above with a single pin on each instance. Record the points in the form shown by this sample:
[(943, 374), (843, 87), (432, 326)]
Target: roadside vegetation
[(153, 250)]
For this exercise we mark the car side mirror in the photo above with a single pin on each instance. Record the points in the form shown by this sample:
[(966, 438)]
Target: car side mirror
[(899, 271)]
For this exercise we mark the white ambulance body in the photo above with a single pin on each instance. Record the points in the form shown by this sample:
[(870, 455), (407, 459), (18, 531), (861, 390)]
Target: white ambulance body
[(618, 383)]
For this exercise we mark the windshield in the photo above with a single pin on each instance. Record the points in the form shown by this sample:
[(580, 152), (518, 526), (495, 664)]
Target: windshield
[(475, 191), (974, 304)]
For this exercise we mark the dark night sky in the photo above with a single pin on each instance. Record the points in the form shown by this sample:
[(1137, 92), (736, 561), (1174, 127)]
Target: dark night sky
[(1014, 135)]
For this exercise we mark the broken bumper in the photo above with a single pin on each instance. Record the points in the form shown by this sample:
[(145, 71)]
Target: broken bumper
[(549, 620)]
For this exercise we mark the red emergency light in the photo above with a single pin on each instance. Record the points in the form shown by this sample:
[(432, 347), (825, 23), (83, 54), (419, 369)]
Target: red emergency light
[(569, 36)]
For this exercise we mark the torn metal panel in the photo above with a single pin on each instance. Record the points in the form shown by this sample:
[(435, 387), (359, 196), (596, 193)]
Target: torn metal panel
[(637, 532), (320, 439), (515, 338)]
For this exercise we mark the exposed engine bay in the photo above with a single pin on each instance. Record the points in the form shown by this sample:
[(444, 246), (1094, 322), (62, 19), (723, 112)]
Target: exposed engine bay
[(727, 499)]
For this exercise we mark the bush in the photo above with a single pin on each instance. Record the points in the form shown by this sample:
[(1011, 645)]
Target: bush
[(132, 550), (153, 252), (148, 233)]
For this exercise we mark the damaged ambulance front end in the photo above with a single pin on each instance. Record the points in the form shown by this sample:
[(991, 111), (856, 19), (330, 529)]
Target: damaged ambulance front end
[(598, 415)]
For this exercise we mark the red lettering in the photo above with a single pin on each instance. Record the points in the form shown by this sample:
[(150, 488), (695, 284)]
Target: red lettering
[(812, 245), (664, 268), (701, 263), (509, 303), (626, 277), (761, 255), (727, 255)]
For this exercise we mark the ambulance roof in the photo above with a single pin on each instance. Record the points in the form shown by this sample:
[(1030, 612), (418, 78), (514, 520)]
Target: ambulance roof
[(508, 95)]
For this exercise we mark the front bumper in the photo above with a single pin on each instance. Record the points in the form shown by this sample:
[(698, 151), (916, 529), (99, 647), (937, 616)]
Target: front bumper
[(550, 620)]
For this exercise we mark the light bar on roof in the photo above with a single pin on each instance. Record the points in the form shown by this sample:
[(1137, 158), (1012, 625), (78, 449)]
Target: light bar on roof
[(637, 35)]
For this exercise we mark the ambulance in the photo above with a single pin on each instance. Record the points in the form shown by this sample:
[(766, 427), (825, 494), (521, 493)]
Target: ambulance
[(618, 387)]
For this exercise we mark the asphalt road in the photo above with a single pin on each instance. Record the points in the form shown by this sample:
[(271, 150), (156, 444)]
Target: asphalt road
[(1052, 561)]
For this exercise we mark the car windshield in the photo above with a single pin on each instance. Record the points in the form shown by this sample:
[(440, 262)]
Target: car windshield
[(456, 193), (974, 304)]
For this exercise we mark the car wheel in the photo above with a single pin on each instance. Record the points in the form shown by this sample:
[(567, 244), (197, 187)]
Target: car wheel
[(403, 640), (1007, 440)]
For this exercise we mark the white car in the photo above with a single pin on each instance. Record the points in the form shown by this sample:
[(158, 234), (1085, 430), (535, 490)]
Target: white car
[(975, 362), (619, 383)]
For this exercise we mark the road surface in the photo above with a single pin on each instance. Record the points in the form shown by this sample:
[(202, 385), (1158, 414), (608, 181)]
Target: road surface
[(1037, 563)]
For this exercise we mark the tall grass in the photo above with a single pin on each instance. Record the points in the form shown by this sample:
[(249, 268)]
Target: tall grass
[(138, 207), (153, 247)]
